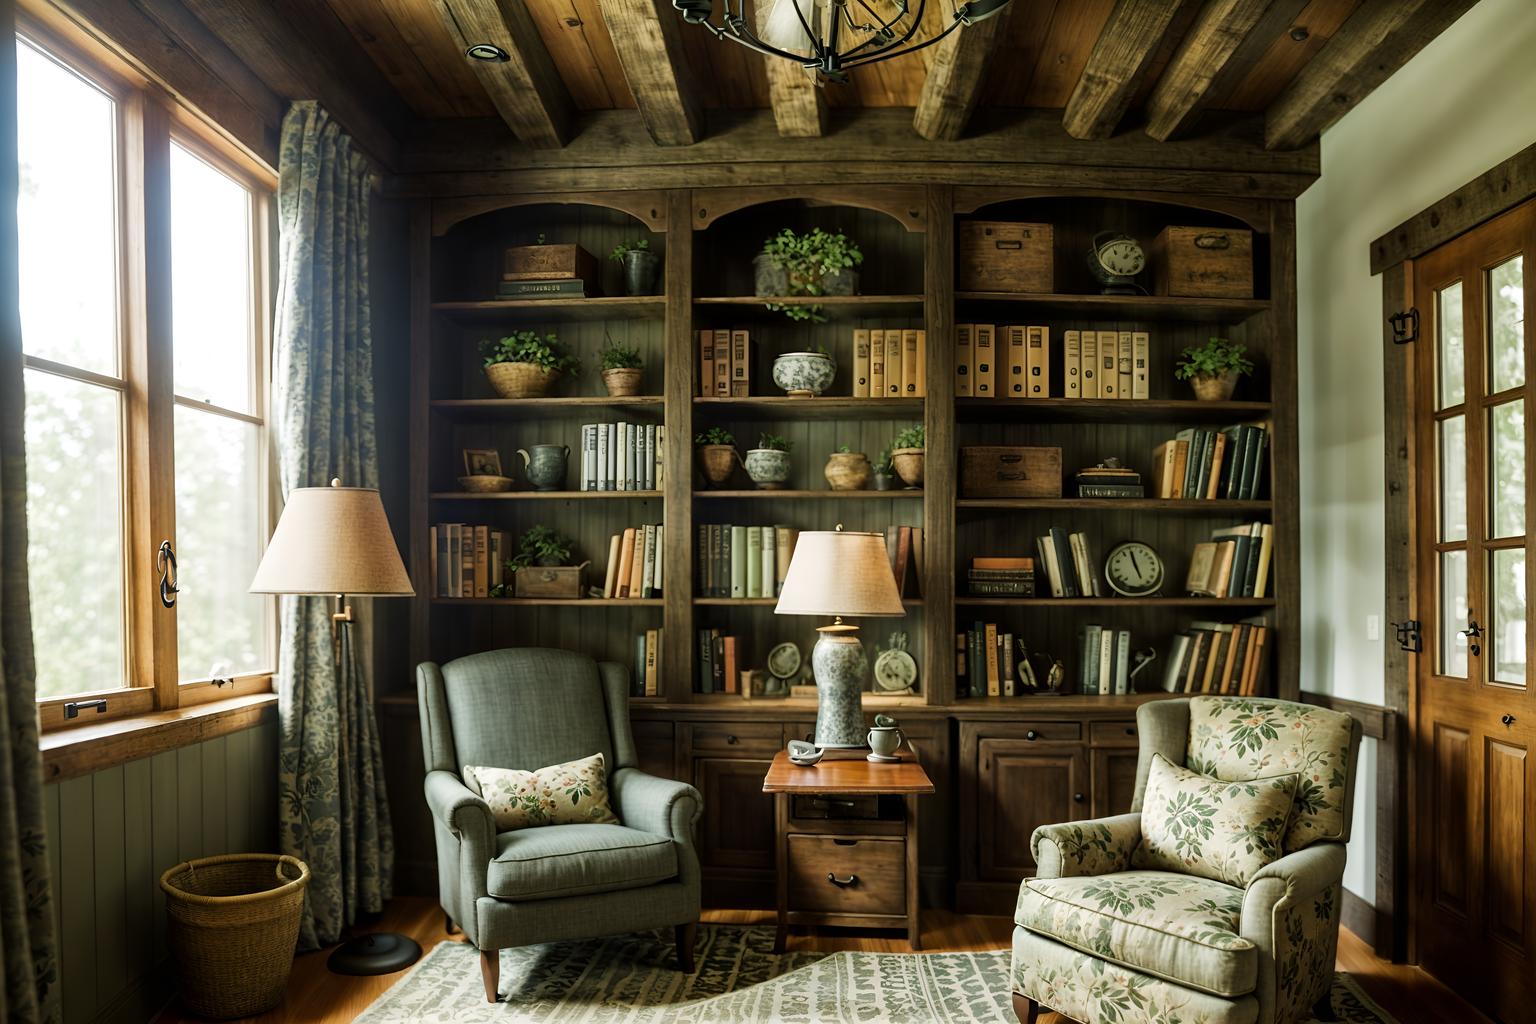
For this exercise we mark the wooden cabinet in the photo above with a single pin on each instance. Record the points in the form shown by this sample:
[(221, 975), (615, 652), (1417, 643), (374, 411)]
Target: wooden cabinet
[(656, 748), (1114, 779), (1022, 784), (736, 831)]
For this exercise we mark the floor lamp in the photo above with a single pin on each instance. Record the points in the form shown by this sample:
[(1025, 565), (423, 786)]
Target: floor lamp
[(336, 541)]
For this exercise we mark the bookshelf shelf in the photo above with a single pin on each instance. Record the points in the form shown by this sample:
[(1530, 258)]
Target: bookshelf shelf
[(556, 310), (572, 602), (1098, 410), (1114, 602), (549, 496), (769, 602), (828, 495), (1194, 508), (511, 408), (1150, 308), (825, 408), (834, 307)]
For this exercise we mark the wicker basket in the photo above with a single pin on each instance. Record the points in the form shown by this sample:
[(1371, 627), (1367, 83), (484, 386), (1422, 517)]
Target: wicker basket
[(520, 380), (234, 923)]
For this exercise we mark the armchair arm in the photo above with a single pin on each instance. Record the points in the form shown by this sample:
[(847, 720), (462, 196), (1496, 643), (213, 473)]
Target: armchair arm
[(661, 806), (1095, 847), (1297, 878), (468, 819), (1291, 913)]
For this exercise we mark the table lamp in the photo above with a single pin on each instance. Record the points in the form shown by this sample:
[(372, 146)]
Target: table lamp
[(837, 573), (336, 540)]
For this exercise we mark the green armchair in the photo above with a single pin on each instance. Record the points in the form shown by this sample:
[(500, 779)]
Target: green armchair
[(527, 709), (1098, 940)]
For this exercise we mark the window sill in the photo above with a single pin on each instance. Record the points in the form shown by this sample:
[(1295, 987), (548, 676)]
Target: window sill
[(70, 753)]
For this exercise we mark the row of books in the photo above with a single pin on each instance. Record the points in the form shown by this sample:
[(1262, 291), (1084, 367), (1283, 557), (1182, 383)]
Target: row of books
[(1014, 361), (719, 663), (989, 663), (468, 561), (904, 545), (1206, 464), (725, 363), (622, 456), (890, 363), (743, 561), (1218, 657), (646, 680), (1001, 577), (1233, 563), (634, 563), (1104, 661), (1070, 564)]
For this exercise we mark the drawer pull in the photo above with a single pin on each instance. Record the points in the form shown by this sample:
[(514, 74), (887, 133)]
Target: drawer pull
[(1077, 797), (842, 883), (1130, 730), (1031, 735), (732, 740)]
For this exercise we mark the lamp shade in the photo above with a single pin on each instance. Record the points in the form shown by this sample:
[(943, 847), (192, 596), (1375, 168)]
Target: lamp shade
[(840, 573), (333, 540)]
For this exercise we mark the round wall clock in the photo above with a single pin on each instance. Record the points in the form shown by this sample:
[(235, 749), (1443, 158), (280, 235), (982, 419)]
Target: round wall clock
[(1133, 569), (784, 661), (1115, 259), (895, 672)]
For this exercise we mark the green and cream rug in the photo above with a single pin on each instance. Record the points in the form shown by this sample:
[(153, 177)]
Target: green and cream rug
[(629, 980)]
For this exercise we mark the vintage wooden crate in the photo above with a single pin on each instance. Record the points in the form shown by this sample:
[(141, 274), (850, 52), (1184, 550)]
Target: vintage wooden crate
[(1004, 256), (562, 581), (1010, 471), (548, 263), (1203, 263)]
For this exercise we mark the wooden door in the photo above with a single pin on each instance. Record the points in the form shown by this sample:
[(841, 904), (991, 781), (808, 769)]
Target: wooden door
[(736, 831), (1022, 784), (1475, 717), (1114, 780)]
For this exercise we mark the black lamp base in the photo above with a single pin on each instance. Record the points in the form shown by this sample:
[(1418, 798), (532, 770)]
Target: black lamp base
[(377, 953)]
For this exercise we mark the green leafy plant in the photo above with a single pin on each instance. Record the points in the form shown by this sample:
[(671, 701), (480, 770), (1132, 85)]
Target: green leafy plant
[(715, 435), (806, 259), (843, 449), (539, 239), (642, 245), (774, 443), (883, 462), (617, 356), (542, 545), (912, 437), (544, 351), (1213, 359)]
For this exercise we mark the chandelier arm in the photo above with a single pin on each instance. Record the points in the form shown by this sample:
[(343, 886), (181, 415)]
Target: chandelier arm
[(751, 42), (885, 26), (874, 54), (879, 55), (816, 46)]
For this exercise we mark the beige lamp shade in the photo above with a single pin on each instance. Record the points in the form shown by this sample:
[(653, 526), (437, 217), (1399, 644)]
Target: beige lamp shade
[(333, 540), (840, 573)]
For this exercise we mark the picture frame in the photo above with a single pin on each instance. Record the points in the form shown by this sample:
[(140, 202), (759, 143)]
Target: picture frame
[(482, 462)]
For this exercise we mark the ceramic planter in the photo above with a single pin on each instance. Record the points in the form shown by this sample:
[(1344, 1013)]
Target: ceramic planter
[(640, 267), (768, 468), (622, 383), (804, 374), (884, 480), (717, 462), (1214, 388), (544, 465), (848, 471), (769, 279), (520, 380), (908, 463)]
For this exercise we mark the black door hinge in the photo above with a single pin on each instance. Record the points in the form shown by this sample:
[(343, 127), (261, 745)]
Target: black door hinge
[(1408, 636), (1405, 326)]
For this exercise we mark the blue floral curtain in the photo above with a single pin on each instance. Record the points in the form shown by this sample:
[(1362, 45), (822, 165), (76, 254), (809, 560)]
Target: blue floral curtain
[(332, 813)]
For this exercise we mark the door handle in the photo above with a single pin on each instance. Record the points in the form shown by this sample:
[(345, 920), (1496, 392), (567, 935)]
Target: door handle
[(170, 583), (1508, 720), (1472, 632)]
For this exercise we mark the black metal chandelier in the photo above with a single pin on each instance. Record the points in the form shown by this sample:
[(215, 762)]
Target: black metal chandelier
[(831, 37)]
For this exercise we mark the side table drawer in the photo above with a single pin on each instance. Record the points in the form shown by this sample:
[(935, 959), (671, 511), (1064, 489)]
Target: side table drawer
[(869, 875)]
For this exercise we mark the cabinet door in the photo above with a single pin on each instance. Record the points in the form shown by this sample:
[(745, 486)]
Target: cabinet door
[(736, 830), (1114, 780), (1022, 784), (655, 748)]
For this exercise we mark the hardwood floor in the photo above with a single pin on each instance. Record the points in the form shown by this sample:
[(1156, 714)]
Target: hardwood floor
[(315, 996)]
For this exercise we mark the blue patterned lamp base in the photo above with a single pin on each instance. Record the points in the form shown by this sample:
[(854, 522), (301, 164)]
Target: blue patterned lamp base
[(839, 667)]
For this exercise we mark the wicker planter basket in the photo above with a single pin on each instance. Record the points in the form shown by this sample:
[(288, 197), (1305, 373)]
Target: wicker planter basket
[(520, 380), (234, 922)]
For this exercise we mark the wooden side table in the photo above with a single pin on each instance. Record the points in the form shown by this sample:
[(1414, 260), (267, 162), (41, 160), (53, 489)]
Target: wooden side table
[(846, 842)]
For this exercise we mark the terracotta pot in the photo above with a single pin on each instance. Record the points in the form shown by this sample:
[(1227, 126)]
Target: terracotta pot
[(717, 461), (848, 471), (1214, 388), (520, 380), (908, 463), (622, 383)]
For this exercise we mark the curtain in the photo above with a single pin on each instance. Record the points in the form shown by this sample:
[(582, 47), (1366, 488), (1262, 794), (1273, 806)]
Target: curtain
[(332, 812), (30, 990)]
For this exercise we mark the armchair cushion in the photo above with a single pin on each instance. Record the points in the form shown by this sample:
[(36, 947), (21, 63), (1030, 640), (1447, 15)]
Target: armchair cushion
[(573, 860), (572, 793), (1176, 927)]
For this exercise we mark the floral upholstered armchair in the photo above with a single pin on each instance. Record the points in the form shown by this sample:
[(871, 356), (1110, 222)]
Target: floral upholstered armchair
[(1216, 901)]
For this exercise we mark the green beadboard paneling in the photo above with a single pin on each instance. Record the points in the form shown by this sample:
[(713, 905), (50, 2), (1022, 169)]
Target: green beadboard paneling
[(112, 934)]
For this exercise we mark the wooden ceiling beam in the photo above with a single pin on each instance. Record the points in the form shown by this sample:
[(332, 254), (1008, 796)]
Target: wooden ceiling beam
[(954, 78), (647, 34), (1377, 39), (1115, 69), (526, 90), (799, 104), (1225, 41)]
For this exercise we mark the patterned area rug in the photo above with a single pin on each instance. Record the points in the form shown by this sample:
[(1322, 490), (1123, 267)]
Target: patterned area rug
[(629, 980)]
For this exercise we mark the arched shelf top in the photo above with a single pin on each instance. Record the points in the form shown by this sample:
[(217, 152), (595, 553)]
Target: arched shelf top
[(649, 208), (907, 205), (1255, 214)]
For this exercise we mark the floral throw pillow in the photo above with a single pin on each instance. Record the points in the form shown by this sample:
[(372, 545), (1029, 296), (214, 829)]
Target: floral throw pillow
[(562, 794), (1202, 826)]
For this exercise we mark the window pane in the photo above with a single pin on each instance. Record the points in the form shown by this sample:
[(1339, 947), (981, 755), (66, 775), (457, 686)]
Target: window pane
[(66, 214), (1453, 378), (1508, 589), (1453, 478), (221, 629), (74, 534), (210, 283), (1506, 478), (1453, 613), (1506, 324)]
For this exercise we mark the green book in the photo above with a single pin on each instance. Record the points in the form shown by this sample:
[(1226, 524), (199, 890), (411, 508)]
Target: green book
[(738, 561), (754, 561)]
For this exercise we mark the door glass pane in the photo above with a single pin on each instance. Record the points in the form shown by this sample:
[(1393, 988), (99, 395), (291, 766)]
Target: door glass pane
[(1453, 478), (1508, 590), (1506, 476), (221, 629), (1452, 366), (211, 282), (74, 534), (66, 214), (1506, 324), (1453, 613)]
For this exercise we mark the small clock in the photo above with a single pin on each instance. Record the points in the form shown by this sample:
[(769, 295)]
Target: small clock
[(1133, 569), (1115, 259)]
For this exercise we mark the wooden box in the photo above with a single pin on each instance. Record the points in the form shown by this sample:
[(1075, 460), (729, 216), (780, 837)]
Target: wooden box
[(1203, 263), (1004, 256), (549, 263), (1010, 471), (564, 582)]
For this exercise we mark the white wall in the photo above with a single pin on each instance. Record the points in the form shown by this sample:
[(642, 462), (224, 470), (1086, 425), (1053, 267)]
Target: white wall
[(1462, 105)]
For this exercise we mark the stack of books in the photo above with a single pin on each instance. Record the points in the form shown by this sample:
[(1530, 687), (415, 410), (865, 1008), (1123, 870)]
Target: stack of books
[(1014, 361), (890, 363), (1071, 564), (904, 547), (719, 663), (1001, 577), (468, 561), (743, 561), (556, 288), (645, 681), (1109, 482), (1233, 563), (635, 563), (725, 363), (1219, 657), (622, 456), (1201, 464), (1104, 665), (991, 663)]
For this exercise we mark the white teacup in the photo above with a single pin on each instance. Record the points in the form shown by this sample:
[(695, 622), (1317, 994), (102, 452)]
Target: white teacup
[(884, 739)]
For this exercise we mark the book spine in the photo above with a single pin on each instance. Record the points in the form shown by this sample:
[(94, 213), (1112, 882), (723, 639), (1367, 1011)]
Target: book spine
[(983, 361), (770, 561), (782, 546), (895, 362), (1123, 661), (706, 363), (611, 573), (994, 674), (1126, 362), (1005, 653), (1106, 678), (963, 359), (648, 574), (652, 649), (877, 363), (909, 364), (1016, 378), (1110, 491), (738, 561), (723, 367), (1072, 363), (1038, 362), (1090, 356), (1063, 551), (754, 566), (741, 364), (922, 363), (1109, 364), (861, 362), (1092, 642), (1141, 355), (603, 481)]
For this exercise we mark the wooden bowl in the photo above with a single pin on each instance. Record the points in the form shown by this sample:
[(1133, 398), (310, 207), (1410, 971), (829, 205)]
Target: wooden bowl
[(485, 484)]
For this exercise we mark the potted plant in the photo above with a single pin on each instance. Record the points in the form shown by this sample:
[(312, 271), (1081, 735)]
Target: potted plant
[(815, 263), (768, 463), (621, 369), (907, 455), (639, 265), (805, 374), (526, 364), (848, 470), (1213, 368), (885, 477), (541, 566), (717, 454)]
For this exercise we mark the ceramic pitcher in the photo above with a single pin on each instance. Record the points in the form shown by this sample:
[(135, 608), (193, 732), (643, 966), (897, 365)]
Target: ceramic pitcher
[(544, 465)]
